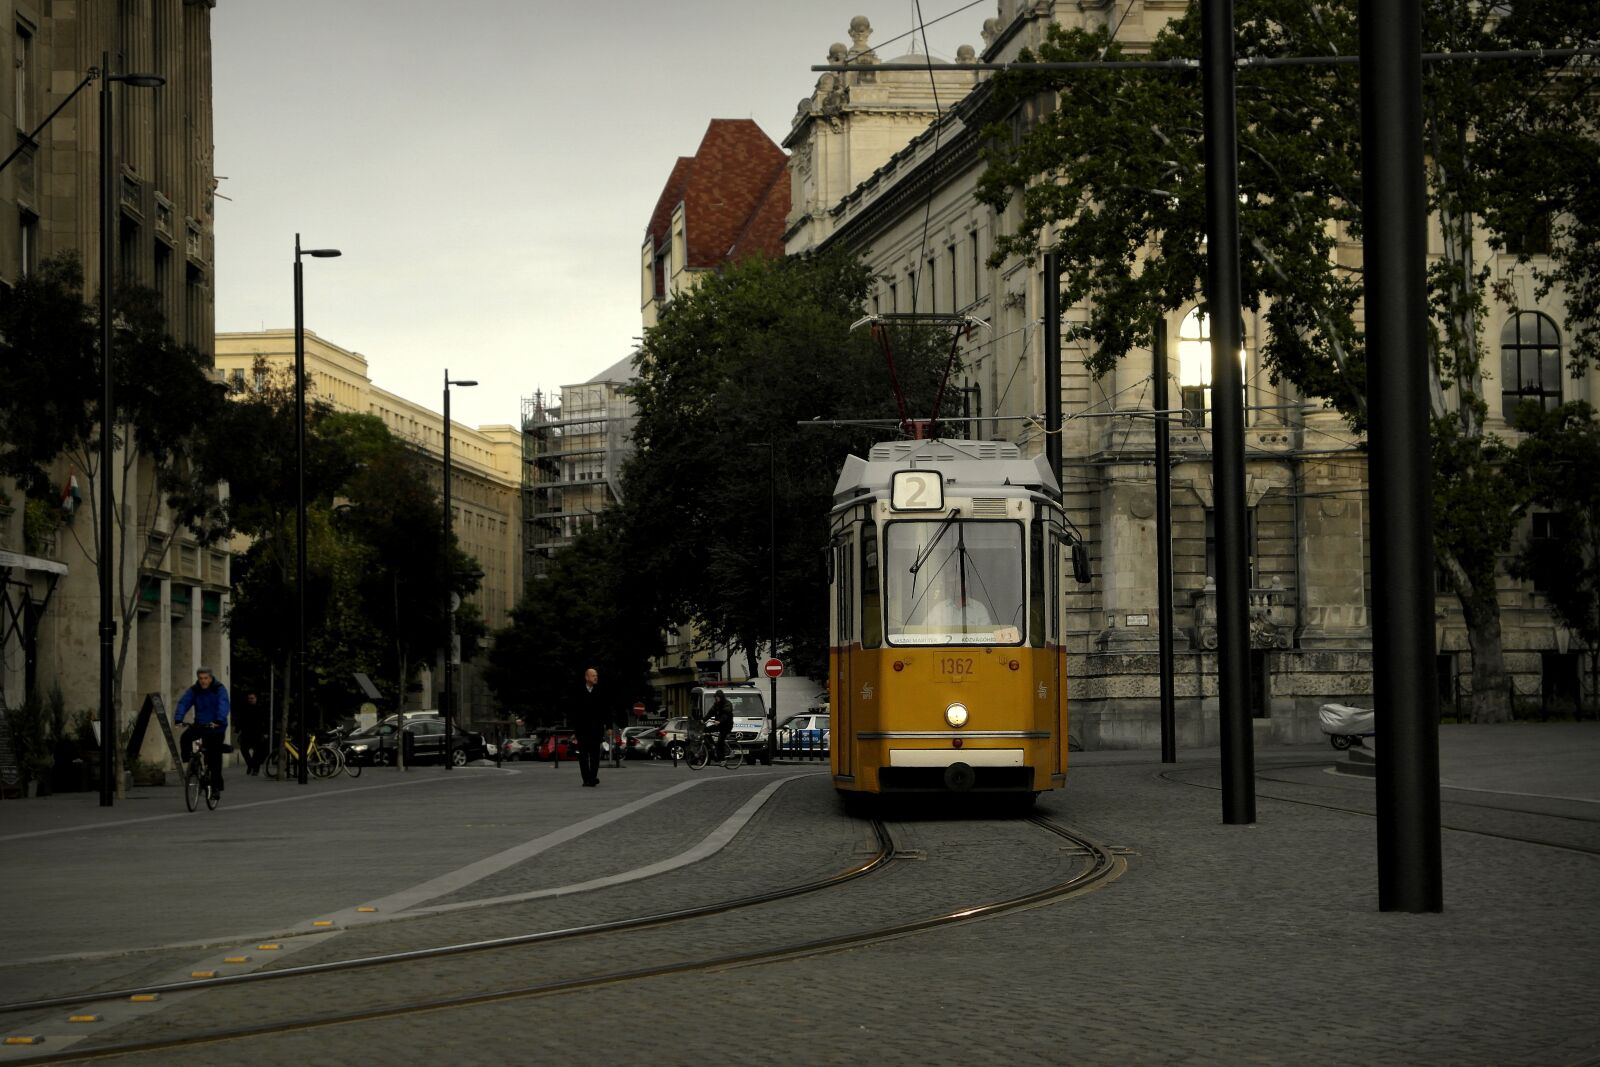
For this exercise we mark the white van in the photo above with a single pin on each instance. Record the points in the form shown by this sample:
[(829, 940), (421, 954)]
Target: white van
[(749, 710)]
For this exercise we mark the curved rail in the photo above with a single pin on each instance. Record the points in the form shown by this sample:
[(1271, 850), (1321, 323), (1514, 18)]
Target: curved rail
[(1104, 866)]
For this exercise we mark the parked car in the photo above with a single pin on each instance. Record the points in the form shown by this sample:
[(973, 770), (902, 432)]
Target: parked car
[(519, 748), (805, 733), (673, 739), (378, 744), (559, 744), (638, 742)]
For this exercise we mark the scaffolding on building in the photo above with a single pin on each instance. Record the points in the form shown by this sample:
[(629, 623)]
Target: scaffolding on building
[(572, 454)]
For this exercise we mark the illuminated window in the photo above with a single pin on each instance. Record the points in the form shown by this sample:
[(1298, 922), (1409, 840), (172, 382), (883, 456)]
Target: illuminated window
[(1194, 370)]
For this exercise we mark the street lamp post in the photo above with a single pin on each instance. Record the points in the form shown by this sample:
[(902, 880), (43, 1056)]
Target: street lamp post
[(772, 587), (449, 594), (300, 493), (108, 626)]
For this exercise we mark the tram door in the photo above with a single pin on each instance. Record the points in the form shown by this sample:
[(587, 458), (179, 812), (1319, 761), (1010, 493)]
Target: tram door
[(843, 696)]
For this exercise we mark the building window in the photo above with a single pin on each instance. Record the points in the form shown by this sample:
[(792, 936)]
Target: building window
[(894, 297), (977, 269), (1530, 362), (1249, 543), (1534, 239), (1543, 539), (955, 301), (1194, 370), (22, 62), (27, 244)]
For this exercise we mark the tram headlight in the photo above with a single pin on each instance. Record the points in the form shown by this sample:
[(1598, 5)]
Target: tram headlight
[(956, 715)]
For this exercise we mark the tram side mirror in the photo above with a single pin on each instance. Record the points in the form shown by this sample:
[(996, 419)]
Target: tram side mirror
[(1080, 563)]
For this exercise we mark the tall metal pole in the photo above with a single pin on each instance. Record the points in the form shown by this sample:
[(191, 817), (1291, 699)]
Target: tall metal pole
[(1052, 361), (1394, 246), (1169, 715), (108, 626), (1227, 389), (772, 588), (300, 709), (449, 610)]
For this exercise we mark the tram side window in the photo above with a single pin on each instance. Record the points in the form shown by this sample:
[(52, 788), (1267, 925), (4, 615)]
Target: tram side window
[(871, 611), (1038, 595), (847, 596)]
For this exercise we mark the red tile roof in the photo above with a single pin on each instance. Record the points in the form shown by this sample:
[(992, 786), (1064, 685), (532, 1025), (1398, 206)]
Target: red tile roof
[(735, 195)]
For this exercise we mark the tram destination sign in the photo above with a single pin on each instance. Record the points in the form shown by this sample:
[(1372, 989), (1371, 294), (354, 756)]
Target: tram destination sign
[(916, 490)]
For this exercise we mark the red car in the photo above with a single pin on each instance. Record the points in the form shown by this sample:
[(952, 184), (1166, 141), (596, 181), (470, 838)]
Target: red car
[(559, 745)]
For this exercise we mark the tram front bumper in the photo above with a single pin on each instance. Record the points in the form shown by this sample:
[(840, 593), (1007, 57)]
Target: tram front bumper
[(945, 770)]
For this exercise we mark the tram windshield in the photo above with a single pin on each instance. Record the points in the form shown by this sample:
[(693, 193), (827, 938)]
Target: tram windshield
[(953, 582)]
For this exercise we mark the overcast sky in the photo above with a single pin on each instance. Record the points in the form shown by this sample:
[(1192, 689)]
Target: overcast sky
[(488, 177)]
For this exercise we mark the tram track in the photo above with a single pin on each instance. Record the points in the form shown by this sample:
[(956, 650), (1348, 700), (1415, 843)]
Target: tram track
[(1581, 849), (1100, 865)]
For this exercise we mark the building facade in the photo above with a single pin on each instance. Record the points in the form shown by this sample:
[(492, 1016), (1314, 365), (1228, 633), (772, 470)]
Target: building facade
[(170, 592), (485, 464), (881, 169)]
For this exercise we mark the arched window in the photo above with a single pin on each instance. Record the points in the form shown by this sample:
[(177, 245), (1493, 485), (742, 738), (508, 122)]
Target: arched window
[(1530, 362), (1194, 370)]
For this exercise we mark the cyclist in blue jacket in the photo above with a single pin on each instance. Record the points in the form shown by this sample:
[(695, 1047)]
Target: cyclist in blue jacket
[(209, 699)]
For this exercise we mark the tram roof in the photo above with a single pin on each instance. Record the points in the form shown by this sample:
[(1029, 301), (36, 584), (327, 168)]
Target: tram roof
[(991, 466)]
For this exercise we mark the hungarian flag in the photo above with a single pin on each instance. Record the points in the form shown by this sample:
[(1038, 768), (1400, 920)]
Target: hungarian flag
[(70, 497)]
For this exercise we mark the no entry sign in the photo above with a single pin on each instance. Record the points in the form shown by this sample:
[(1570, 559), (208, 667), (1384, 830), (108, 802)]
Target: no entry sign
[(773, 667)]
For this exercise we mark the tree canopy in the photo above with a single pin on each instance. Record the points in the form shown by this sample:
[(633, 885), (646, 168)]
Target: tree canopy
[(1106, 167)]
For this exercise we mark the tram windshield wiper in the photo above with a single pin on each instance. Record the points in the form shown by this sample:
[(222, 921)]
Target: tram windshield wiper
[(922, 557)]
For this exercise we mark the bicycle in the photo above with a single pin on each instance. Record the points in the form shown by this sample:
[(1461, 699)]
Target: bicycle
[(701, 750), (324, 761), (197, 778)]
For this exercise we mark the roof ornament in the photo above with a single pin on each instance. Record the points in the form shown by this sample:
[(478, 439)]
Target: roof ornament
[(860, 32)]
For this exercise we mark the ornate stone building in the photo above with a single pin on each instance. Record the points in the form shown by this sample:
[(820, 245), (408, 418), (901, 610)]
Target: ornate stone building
[(885, 163), (164, 187)]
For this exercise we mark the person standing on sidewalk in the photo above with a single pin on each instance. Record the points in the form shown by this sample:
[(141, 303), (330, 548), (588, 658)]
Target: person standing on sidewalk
[(250, 733), (590, 716), (209, 699)]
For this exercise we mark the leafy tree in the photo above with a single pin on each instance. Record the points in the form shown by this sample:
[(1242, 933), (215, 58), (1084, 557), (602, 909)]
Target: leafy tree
[(581, 614), (1110, 173), (1554, 466), (167, 408), (731, 370), (375, 566)]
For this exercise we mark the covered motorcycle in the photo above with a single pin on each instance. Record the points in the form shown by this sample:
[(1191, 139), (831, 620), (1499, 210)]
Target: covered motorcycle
[(1346, 725)]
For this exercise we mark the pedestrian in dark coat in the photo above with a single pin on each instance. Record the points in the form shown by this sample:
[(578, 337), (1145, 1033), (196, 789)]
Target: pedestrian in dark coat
[(250, 732), (590, 715)]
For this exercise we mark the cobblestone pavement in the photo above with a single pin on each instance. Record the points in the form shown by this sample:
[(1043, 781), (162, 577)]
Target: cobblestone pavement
[(1220, 944)]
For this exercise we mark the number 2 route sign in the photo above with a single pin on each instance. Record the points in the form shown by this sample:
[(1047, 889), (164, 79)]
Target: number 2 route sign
[(773, 667)]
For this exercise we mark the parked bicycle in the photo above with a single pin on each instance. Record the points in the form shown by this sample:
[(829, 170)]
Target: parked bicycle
[(702, 747), (323, 761), (197, 778)]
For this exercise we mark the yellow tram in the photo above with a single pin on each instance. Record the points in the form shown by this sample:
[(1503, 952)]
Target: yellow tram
[(946, 664)]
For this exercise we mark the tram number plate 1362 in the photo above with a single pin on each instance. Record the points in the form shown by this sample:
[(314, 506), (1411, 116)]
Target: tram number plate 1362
[(957, 668)]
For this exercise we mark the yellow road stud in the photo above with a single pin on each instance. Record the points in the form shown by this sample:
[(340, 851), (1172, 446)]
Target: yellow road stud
[(366, 909), (145, 998), (202, 974), (20, 1039), (83, 1018), (322, 922), (271, 947), (236, 959)]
